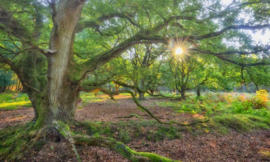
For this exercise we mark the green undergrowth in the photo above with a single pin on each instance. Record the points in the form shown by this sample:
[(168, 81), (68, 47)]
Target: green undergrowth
[(13, 101), (126, 131), (225, 112), (239, 122), (153, 131), (14, 141)]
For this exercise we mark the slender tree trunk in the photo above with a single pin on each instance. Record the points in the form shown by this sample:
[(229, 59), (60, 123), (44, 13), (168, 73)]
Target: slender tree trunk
[(135, 92), (2, 89), (110, 87), (141, 94), (183, 96), (198, 91)]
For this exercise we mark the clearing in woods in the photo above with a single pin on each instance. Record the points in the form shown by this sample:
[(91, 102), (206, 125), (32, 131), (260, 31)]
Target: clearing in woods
[(215, 140)]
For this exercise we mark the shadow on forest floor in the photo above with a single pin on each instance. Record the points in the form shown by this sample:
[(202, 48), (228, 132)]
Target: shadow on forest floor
[(228, 136)]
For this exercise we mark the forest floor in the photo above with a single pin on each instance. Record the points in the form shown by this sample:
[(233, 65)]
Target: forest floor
[(203, 142)]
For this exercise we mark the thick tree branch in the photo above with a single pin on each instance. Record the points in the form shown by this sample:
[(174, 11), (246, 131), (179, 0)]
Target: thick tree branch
[(214, 34), (111, 94), (52, 4), (146, 37), (230, 52), (243, 64), (4, 60), (12, 26), (96, 23), (233, 8)]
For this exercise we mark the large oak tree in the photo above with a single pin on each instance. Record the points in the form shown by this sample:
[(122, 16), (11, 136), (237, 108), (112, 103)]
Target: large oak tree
[(53, 45)]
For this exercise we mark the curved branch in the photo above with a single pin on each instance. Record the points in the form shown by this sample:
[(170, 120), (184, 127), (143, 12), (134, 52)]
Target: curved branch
[(12, 26), (119, 147), (146, 36), (230, 52), (96, 23), (214, 34), (243, 64), (4, 60), (111, 94), (233, 27)]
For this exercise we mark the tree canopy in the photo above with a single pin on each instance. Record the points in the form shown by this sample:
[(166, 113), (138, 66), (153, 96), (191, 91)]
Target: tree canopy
[(54, 45)]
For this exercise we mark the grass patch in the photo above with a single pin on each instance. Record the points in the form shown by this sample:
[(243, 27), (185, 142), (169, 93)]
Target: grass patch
[(13, 101)]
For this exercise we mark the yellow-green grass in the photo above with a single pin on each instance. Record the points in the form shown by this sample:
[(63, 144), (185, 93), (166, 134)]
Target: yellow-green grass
[(13, 101), (100, 97), (15, 105)]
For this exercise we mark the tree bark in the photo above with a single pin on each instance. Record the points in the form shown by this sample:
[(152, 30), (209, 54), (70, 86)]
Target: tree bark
[(60, 97), (183, 97), (2, 89), (198, 91), (141, 94), (152, 91)]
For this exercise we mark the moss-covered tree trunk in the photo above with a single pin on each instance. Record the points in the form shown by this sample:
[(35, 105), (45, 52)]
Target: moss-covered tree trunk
[(183, 96), (47, 80), (30, 68), (59, 99)]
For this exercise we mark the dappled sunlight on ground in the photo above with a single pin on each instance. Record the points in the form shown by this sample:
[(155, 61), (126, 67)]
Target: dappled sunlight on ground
[(14, 117), (14, 105), (198, 143), (91, 97)]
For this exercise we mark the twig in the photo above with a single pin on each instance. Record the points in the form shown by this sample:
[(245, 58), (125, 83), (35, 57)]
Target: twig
[(76, 152)]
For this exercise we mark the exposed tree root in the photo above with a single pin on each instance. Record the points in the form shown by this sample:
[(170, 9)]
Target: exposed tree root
[(109, 143), (16, 151), (111, 94), (133, 115), (119, 147), (26, 137)]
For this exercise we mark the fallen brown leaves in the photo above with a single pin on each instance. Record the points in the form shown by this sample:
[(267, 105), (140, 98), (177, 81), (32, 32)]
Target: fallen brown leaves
[(210, 147)]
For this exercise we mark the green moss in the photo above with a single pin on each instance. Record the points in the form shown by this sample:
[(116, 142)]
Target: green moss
[(241, 122), (125, 131), (133, 155), (62, 128), (124, 136), (155, 157), (14, 141)]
